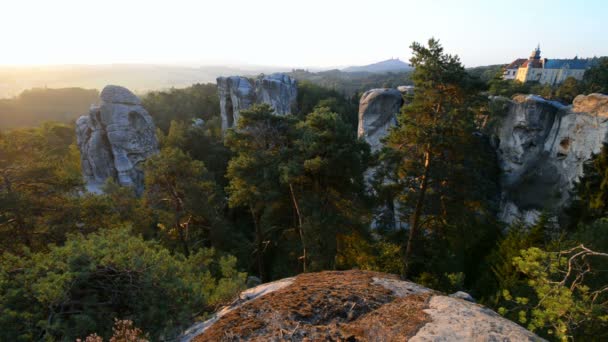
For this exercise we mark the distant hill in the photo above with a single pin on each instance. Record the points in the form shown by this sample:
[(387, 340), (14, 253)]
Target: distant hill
[(350, 83), (34, 106), (389, 65), (139, 78)]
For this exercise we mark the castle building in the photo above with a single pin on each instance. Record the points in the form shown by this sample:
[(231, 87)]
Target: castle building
[(546, 71)]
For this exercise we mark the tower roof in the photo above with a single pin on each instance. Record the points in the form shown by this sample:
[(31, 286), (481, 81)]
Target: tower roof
[(535, 53)]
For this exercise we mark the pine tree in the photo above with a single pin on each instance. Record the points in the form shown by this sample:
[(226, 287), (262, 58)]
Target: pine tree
[(260, 142), (324, 176), (431, 140)]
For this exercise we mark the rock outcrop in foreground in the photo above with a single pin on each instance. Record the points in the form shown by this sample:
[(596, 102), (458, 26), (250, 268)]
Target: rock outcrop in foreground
[(353, 306), (542, 147), (238, 93), (114, 139)]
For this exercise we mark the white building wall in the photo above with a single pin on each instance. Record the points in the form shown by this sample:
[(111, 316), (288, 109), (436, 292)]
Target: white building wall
[(557, 76), (510, 74)]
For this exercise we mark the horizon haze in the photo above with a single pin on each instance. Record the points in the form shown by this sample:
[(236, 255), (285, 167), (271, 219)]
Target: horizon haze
[(284, 34)]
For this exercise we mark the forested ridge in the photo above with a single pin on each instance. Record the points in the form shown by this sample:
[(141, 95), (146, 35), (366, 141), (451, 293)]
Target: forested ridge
[(282, 195), (37, 105)]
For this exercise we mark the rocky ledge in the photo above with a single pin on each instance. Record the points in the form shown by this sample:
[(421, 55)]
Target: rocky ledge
[(353, 306)]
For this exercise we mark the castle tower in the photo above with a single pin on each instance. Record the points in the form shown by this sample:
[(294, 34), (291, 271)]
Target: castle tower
[(535, 53)]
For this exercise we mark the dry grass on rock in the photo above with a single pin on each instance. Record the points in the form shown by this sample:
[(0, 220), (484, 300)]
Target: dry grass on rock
[(326, 306)]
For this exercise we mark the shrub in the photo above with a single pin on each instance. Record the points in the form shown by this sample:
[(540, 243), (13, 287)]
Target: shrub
[(79, 288)]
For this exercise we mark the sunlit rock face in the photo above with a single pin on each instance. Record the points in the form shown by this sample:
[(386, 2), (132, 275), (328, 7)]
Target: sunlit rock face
[(114, 139), (378, 109), (279, 91), (542, 146), (237, 93)]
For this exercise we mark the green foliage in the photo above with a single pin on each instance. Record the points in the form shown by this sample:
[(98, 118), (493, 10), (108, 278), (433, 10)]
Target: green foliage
[(544, 90), (505, 277), (259, 145), (325, 177), (352, 83), (312, 96), (361, 252), (549, 288), (201, 142), (596, 78), (78, 288), (568, 90), (39, 175), (286, 194), (507, 88), (486, 73), (196, 101), (436, 162), (564, 303), (299, 179), (591, 192), (185, 198)]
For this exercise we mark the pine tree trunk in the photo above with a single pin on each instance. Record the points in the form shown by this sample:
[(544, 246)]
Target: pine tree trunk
[(415, 221), (300, 229), (259, 242), (180, 232)]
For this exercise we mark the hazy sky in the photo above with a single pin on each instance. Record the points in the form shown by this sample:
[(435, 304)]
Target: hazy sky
[(293, 33)]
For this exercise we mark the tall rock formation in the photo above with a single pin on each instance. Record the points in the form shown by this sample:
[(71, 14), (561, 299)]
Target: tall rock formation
[(378, 109), (114, 139), (278, 90), (237, 93), (542, 146)]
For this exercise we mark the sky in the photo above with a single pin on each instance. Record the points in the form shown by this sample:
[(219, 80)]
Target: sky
[(286, 33)]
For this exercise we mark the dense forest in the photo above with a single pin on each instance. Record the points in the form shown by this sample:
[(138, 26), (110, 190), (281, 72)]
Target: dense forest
[(353, 83), (281, 195)]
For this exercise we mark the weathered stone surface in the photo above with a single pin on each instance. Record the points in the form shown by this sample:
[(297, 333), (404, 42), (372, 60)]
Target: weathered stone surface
[(401, 310), (401, 288), (592, 103), (542, 146), (114, 139), (378, 109), (463, 295), (117, 94), (238, 93), (406, 89), (454, 319), (279, 91)]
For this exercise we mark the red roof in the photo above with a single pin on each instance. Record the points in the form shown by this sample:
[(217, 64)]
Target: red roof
[(532, 63), (516, 63)]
